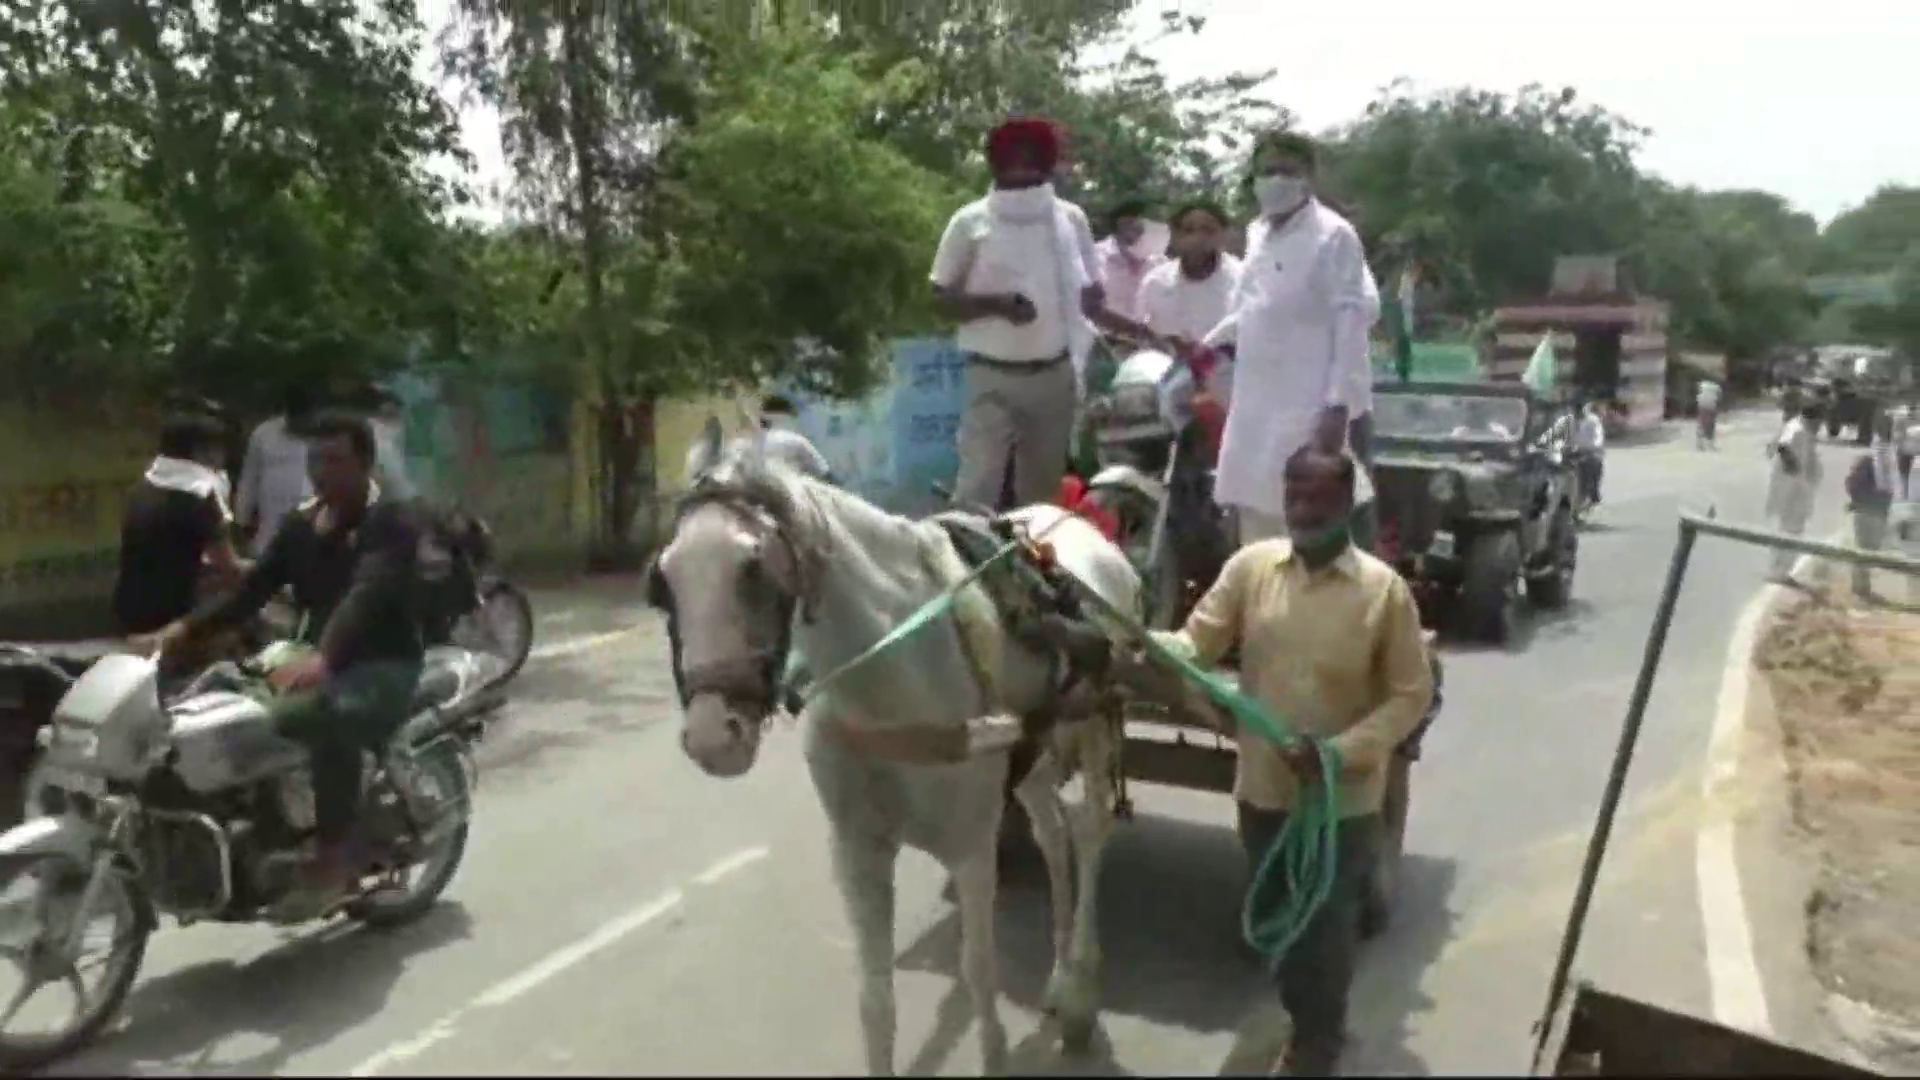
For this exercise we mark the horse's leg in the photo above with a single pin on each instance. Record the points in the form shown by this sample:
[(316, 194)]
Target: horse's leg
[(975, 880), (1039, 793), (1092, 819), (863, 867)]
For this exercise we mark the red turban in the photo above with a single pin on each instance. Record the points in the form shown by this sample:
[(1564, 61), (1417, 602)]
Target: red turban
[(1031, 135)]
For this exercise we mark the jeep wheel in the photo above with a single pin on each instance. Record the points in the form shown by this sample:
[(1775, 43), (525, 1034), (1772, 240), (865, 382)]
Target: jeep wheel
[(1490, 587), (1553, 587)]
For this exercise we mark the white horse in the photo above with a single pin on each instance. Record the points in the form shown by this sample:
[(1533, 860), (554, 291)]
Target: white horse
[(763, 560)]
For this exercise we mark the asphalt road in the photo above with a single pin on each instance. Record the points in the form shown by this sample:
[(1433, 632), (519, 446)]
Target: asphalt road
[(620, 913)]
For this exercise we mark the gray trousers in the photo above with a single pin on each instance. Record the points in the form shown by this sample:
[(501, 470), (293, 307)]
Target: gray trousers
[(1018, 414), (1869, 534), (1316, 975)]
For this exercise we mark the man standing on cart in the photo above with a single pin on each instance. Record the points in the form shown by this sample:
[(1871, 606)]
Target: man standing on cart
[(1298, 322), (1010, 268)]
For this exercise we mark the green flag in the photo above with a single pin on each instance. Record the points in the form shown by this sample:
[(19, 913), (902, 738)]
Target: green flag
[(1543, 367)]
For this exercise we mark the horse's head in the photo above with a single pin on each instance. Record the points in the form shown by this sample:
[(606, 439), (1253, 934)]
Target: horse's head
[(731, 580)]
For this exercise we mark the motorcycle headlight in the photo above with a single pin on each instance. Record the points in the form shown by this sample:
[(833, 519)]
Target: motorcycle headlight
[(1444, 487)]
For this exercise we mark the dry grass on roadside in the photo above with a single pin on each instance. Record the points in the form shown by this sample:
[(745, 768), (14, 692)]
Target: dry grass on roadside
[(1845, 684)]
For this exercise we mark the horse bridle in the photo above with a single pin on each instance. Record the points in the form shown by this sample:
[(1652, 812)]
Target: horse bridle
[(754, 678)]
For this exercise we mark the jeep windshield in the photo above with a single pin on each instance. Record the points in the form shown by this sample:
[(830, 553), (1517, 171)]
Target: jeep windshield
[(1449, 417)]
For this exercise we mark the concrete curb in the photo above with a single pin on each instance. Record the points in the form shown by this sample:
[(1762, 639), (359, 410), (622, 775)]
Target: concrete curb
[(1747, 787)]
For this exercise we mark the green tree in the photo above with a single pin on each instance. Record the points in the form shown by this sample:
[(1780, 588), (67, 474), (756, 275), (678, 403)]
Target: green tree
[(1875, 237), (588, 92), (801, 241), (286, 143), (1487, 189)]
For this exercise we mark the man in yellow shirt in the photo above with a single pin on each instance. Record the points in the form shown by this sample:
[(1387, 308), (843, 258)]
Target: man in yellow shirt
[(1330, 641)]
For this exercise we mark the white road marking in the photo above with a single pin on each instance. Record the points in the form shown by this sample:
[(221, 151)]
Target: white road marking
[(575, 646), (730, 865), (1735, 986), (553, 964)]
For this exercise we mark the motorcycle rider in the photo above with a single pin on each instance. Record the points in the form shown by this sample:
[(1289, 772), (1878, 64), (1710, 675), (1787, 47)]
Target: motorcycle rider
[(177, 529), (351, 561)]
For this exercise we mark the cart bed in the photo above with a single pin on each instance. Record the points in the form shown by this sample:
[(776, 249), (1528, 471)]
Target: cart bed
[(1611, 1035)]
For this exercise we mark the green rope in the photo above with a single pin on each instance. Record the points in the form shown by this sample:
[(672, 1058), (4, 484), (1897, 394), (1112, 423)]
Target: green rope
[(1297, 874), (925, 616)]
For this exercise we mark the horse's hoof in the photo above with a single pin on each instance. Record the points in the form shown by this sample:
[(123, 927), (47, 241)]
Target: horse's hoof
[(1076, 1034)]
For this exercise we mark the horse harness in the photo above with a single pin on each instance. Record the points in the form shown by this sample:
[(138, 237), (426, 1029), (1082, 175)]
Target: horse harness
[(1041, 609), (756, 678)]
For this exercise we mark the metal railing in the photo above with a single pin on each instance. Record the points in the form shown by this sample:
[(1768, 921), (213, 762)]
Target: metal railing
[(1692, 526)]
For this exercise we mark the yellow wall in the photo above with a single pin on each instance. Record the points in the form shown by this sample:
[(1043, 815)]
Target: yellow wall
[(63, 483), (677, 424), (64, 480)]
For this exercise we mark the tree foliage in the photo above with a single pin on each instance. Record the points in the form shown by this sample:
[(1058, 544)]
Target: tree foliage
[(282, 148)]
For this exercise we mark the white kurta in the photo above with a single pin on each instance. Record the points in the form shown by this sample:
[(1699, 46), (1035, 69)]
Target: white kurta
[(1299, 318), (1790, 495)]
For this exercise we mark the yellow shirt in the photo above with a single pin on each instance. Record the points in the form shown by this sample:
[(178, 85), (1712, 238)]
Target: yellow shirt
[(1335, 652)]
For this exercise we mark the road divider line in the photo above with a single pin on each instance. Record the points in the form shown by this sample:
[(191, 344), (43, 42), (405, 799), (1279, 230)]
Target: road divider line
[(553, 964), (575, 646), (730, 865)]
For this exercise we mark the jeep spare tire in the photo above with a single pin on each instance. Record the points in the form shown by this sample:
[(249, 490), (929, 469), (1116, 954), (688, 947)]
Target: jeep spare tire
[(1489, 585)]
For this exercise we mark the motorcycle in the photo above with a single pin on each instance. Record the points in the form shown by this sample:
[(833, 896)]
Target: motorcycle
[(189, 805), (1156, 481), (483, 612), (498, 619)]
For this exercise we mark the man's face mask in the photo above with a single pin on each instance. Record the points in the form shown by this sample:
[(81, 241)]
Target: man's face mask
[(1029, 202), (1279, 193), (1320, 543)]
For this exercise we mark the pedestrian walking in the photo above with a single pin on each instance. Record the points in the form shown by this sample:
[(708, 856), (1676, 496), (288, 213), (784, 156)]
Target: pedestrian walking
[(1706, 405)]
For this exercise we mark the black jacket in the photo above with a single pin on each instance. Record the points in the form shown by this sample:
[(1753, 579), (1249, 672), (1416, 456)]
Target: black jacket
[(357, 587)]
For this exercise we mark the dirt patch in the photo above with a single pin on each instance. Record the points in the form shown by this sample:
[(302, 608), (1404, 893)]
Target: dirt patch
[(1844, 679)]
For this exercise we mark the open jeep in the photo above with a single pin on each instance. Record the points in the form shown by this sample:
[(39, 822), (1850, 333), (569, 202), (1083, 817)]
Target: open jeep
[(1475, 500)]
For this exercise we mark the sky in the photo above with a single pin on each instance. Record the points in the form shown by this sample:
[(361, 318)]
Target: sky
[(1815, 102)]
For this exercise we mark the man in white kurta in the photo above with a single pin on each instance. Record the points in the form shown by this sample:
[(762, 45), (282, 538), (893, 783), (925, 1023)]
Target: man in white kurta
[(1184, 298), (1791, 487), (1298, 320)]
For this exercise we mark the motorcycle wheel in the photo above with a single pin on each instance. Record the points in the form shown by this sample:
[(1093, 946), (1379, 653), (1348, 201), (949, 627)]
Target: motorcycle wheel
[(51, 885), (441, 779), (502, 626)]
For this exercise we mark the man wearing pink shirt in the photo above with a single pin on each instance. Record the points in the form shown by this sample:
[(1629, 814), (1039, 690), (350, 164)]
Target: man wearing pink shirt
[(1125, 259)]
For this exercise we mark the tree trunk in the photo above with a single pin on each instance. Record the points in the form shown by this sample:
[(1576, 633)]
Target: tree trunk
[(618, 460)]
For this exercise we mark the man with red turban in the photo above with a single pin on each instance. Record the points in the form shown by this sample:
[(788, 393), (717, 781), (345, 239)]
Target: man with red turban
[(1012, 269)]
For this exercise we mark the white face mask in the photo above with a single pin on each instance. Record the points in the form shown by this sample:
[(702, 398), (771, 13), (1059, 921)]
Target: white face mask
[(1029, 202), (1280, 194)]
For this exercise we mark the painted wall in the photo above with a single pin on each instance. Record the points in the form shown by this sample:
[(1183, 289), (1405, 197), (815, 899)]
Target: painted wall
[(63, 485)]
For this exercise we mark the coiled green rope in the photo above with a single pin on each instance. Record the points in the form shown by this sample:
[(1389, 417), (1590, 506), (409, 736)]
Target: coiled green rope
[(1297, 874)]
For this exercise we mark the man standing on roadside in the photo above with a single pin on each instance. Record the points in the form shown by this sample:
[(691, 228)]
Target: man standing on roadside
[(1795, 478), (273, 474), (1706, 403), (1299, 320), (1010, 269), (1330, 641)]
